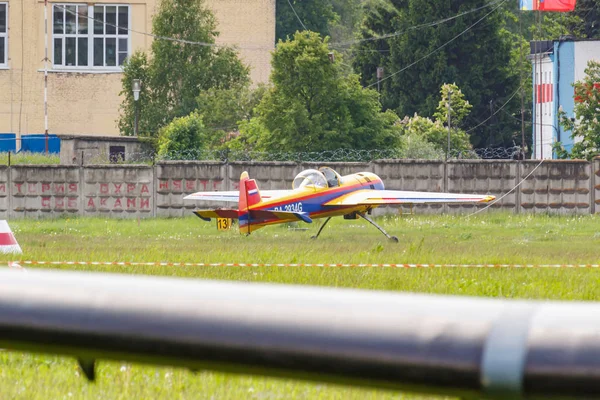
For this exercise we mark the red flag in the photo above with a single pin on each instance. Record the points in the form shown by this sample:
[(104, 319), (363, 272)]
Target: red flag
[(556, 5)]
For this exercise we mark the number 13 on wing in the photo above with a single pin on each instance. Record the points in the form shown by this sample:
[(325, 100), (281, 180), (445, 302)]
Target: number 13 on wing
[(223, 224)]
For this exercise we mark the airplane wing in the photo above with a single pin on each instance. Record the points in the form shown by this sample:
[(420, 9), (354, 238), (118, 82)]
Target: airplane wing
[(383, 197), (233, 196)]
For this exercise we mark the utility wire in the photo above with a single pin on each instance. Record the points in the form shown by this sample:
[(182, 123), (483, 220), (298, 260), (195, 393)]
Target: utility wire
[(497, 111), (205, 44), (439, 48), (424, 25), (296, 14)]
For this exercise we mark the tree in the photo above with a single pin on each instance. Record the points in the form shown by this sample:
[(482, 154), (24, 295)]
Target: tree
[(588, 12), (176, 72), (585, 129), (452, 102), (183, 135), (314, 14), (223, 109), (313, 106), (473, 54)]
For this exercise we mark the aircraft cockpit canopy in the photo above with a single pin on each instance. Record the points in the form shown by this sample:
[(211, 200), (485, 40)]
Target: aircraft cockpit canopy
[(333, 178), (310, 178), (317, 179)]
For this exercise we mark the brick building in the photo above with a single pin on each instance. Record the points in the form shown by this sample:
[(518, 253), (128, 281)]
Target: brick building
[(84, 78)]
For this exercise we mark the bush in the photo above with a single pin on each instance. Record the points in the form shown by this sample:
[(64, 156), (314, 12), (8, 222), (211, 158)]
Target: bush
[(185, 134)]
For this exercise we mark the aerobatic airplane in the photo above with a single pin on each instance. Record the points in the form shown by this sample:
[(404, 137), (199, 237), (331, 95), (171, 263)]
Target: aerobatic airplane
[(319, 193)]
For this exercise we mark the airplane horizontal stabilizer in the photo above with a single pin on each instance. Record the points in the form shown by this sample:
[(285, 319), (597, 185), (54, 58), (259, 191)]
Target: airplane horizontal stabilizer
[(206, 215), (263, 215)]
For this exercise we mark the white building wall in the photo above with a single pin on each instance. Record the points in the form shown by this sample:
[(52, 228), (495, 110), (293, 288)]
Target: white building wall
[(544, 106)]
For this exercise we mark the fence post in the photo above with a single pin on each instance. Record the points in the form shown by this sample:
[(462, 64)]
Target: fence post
[(518, 189), (594, 182), (154, 188), (81, 192), (10, 193), (446, 184)]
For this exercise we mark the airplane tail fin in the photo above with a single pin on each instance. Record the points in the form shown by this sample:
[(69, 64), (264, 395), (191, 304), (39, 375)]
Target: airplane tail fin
[(8, 243), (249, 196)]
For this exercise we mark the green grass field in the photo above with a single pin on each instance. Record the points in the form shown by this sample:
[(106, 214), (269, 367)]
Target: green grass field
[(489, 238)]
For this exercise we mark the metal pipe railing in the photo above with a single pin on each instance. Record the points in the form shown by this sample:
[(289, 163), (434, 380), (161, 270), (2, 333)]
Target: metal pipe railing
[(433, 344)]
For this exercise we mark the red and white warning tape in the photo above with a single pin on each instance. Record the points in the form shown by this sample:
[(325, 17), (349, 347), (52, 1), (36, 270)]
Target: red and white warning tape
[(191, 264)]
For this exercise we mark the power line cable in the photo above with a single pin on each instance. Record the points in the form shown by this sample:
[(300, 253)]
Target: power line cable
[(438, 49), (424, 25), (171, 39), (296, 14), (496, 112)]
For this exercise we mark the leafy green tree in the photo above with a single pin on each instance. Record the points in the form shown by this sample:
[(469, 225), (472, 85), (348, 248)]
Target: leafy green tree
[(313, 106), (588, 12), (183, 135), (434, 132), (452, 102), (315, 15), (586, 127), (417, 147), (223, 109), (175, 72), (473, 54)]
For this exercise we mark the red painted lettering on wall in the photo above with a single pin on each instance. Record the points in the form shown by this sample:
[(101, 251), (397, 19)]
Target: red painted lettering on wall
[(130, 187), (91, 203), (216, 184), (103, 201), (118, 188), (3, 188), (163, 185), (190, 186), (72, 188), (72, 202), (131, 202), (59, 203), (31, 188), (145, 189), (45, 202), (177, 185), (104, 188), (145, 203), (45, 187), (118, 203), (18, 186), (59, 188), (204, 183)]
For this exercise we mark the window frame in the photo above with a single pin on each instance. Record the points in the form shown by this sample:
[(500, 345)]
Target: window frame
[(4, 36), (90, 37)]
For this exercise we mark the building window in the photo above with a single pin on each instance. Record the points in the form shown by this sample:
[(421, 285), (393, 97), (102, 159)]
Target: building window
[(90, 37), (3, 34)]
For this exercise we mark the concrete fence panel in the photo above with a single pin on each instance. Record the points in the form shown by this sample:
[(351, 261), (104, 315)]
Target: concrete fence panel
[(270, 175), (419, 175), (118, 191), (561, 187), (174, 180), (45, 190), (595, 200), (483, 177), (5, 197)]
